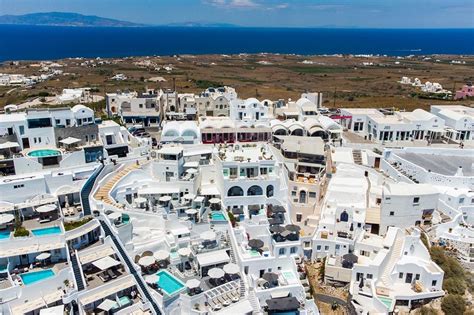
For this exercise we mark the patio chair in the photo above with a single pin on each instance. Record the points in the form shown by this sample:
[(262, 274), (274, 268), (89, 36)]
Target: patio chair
[(104, 276), (223, 300)]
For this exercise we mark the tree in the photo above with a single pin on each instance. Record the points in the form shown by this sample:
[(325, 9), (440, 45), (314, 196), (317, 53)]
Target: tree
[(426, 310), (453, 304), (454, 286)]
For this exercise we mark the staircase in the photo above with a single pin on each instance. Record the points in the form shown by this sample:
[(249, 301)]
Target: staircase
[(395, 254), (254, 301), (103, 193), (77, 272), (401, 171), (144, 288), (86, 190), (357, 156)]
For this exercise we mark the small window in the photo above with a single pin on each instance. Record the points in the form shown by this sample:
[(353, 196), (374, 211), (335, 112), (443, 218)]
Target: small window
[(400, 275), (416, 200), (299, 217), (392, 213), (293, 250), (318, 248), (369, 276), (417, 276), (326, 248), (312, 195), (433, 283), (281, 251), (461, 200)]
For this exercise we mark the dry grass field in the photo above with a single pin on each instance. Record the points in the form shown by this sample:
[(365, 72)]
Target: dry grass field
[(344, 80)]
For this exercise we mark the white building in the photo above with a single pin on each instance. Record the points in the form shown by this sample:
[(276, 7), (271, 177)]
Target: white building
[(459, 121)]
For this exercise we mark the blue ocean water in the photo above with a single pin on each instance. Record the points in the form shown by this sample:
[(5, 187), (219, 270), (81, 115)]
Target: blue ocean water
[(19, 42)]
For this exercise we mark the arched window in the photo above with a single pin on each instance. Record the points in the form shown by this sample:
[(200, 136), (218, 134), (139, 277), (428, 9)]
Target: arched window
[(190, 133), (171, 133), (235, 191), (344, 216), (302, 196), (297, 132), (255, 191), (270, 191)]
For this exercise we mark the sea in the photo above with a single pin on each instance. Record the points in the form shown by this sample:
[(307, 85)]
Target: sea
[(20, 42)]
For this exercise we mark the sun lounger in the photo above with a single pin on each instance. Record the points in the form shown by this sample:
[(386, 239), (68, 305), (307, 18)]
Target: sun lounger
[(111, 274), (223, 300), (103, 276)]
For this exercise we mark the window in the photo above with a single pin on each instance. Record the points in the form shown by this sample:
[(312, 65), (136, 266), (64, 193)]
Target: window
[(400, 275), (461, 200), (58, 121), (392, 213), (18, 186), (433, 283), (312, 195), (299, 217), (369, 276), (293, 250), (293, 193), (338, 246), (22, 132), (281, 251), (417, 276), (318, 248), (326, 248), (416, 200)]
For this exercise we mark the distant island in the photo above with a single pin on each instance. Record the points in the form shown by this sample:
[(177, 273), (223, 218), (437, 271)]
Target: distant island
[(64, 19)]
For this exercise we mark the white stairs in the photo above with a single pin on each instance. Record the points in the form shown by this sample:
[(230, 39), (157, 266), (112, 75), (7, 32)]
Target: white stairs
[(394, 256)]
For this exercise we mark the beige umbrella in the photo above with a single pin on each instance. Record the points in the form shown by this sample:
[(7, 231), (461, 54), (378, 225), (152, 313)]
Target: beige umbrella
[(189, 196), (152, 279), (46, 208), (214, 200), (193, 283), (43, 256), (146, 261), (106, 305), (164, 198), (231, 269), (191, 211), (184, 251), (216, 273)]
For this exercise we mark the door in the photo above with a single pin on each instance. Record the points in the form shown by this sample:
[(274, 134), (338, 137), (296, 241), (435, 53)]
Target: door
[(409, 278), (26, 143), (377, 162)]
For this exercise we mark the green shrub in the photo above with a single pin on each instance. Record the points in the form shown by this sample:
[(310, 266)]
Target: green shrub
[(453, 304), (75, 224), (426, 310), (21, 232)]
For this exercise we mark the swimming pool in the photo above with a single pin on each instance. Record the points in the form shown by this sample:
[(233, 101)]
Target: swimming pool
[(125, 218), (169, 283), (387, 301), (217, 216), (124, 301), (44, 153), (47, 231), (36, 276), (4, 235)]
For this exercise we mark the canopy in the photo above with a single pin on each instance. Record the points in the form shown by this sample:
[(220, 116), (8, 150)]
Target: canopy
[(70, 140), (275, 221), (254, 243), (193, 283), (184, 251), (215, 200), (209, 235), (216, 273), (189, 196), (106, 263), (191, 171), (140, 200), (270, 277), (6, 218), (277, 229), (146, 261), (114, 215), (106, 305), (43, 256), (9, 145), (46, 208), (161, 255), (231, 269), (350, 258), (191, 211), (164, 198), (293, 228), (152, 279), (213, 258), (283, 304)]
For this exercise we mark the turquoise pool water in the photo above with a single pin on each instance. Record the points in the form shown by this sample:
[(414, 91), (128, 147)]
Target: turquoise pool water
[(168, 283), (387, 301), (218, 216), (4, 234), (47, 231), (44, 153), (36, 276), (123, 301)]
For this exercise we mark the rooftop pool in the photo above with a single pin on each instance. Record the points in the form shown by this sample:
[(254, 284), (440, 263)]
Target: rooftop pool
[(47, 231), (4, 235), (44, 153), (169, 283), (36, 276), (218, 216)]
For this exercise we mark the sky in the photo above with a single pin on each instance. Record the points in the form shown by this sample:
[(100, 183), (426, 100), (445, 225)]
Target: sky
[(267, 13)]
